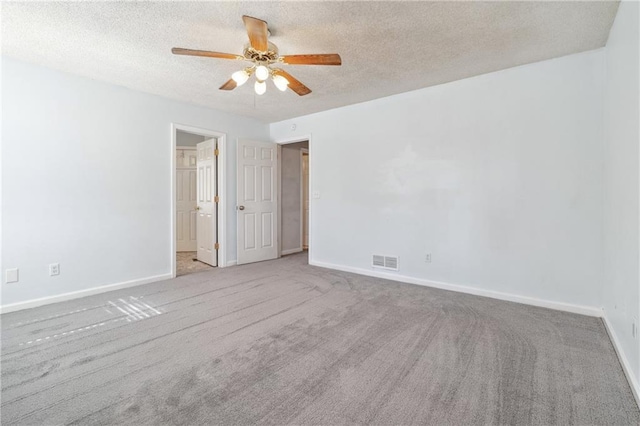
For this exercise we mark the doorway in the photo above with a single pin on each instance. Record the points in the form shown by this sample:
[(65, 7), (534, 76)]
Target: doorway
[(197, 201), (294, 199), (305, 198)]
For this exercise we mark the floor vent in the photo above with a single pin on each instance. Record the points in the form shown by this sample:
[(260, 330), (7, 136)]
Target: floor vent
[(385, 262)]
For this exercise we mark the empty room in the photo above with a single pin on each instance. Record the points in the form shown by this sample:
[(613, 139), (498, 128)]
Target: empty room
[(320, 213)]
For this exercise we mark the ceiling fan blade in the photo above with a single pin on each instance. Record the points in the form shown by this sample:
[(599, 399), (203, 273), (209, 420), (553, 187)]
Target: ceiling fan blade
[(229, 85), (257, 31), (322, 59), (294, 84), (191, 52)]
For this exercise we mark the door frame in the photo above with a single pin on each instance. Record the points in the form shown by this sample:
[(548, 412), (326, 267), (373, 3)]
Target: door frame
[(221, 190), (303, 138)]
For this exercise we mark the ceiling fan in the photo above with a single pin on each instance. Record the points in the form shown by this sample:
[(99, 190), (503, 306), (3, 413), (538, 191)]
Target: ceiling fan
[(263, 55)]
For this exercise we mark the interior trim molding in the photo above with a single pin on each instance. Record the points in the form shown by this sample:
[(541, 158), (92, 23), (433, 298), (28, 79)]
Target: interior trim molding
[(33, 303), (291, 251), (232, 263), (626, 365), (559, 306)]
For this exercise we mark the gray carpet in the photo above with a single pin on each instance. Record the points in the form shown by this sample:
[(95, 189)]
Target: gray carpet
[(282, 342)]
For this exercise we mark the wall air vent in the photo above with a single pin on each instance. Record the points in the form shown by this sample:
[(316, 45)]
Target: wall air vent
[(385, 262)]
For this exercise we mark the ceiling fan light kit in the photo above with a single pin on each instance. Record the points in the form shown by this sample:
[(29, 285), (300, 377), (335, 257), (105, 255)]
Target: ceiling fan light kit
[(263, 54)]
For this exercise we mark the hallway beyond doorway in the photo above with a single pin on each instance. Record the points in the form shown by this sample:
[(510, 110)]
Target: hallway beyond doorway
[(187, 263)]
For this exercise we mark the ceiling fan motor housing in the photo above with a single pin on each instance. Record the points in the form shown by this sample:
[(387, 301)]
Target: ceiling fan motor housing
[(270, 56)]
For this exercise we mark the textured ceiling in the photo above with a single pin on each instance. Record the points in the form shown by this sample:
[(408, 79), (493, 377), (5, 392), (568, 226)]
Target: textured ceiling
[(386, 47)]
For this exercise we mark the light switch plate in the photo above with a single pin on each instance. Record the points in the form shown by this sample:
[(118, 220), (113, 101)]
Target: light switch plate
[(11, 276), (316, 194)]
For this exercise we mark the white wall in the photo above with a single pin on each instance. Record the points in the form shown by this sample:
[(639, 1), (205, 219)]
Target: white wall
[(499, 177), (621, 289), (86, 179)]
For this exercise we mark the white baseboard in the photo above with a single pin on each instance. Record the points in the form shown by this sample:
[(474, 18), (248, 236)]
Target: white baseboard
[(291, 251), (559, 306), (232, 263), (80, 293), (626, 365)]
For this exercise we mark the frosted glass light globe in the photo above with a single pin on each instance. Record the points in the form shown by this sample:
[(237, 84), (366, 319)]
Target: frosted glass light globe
[(260, 87), (240, 77), (280, 82), (262, 73)]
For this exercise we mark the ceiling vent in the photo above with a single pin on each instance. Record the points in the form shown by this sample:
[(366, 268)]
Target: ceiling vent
[(385, 262)]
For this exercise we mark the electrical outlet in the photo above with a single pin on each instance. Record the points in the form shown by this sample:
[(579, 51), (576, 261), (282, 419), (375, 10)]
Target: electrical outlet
[(54, 269), (11, 276), (427, 258)]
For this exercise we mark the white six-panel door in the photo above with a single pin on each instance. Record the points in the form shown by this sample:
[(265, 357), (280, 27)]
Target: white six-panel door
[(186, 200), (257, 201), (206, 222)]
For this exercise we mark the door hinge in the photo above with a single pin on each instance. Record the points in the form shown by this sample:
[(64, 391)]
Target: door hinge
[(216, 152), (216, 199), (217, 246)]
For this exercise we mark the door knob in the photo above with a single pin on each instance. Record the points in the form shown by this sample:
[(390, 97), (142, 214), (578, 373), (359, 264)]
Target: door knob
[(241, 208), (197, 207)]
